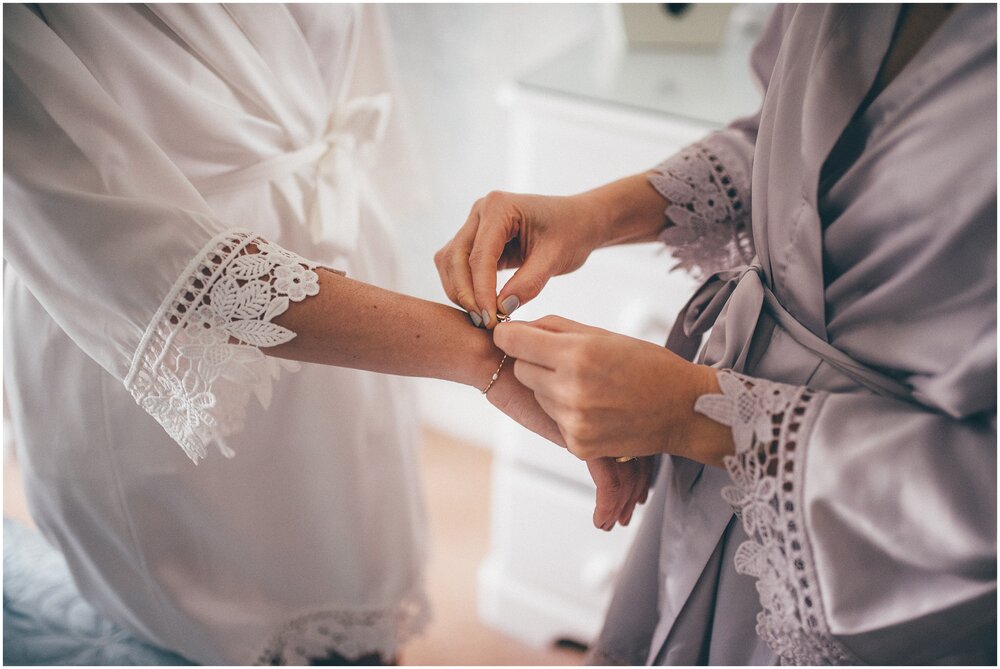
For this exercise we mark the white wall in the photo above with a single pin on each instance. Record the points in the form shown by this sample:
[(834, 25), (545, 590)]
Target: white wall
[(451, 61)]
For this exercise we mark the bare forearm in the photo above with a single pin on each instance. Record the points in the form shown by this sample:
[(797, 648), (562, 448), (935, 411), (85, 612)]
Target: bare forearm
[(357, 325), (630, 210)]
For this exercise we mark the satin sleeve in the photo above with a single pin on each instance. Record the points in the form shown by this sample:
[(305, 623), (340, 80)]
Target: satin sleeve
[(124, 254), (872, 522), (708, 184)]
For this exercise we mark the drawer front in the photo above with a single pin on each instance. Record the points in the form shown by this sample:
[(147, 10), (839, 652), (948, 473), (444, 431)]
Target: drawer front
[(560, 145), (544, 538)]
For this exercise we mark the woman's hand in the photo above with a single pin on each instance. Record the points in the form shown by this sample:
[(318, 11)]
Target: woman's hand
[(613, 395), (620, 486), (543, 236)]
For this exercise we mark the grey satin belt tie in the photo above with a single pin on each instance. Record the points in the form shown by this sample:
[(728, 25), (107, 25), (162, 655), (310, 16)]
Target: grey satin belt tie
[(745, 291)]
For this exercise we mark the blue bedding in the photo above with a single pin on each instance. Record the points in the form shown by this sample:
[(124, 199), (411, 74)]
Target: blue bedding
[(46, 621)]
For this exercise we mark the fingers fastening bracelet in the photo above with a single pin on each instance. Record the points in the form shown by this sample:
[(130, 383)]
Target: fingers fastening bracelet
[(501, 318)]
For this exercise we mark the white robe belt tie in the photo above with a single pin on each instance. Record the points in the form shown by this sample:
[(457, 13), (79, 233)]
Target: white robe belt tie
[(340, 161), (743, 292)]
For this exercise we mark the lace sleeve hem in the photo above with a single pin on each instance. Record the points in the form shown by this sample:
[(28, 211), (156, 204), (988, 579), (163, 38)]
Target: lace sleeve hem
[(770, 424), (200, 361), (709, 209), (355, 635)]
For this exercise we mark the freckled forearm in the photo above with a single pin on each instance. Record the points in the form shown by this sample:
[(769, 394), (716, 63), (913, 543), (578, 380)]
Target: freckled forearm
[(357, 325)]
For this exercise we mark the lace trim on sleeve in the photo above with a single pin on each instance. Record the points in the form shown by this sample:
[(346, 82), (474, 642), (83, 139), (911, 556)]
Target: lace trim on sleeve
[(354, 635), (186, 372), (770, 422), (709, 196)]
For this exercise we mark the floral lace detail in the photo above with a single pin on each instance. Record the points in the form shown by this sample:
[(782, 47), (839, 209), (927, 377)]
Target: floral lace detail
[(352, 634), (186, 372), (709, 207), (769, 422)]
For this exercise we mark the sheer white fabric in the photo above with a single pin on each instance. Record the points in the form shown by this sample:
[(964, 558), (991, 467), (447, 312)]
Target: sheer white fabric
[(161, 165), (353, 635), (186, 373)]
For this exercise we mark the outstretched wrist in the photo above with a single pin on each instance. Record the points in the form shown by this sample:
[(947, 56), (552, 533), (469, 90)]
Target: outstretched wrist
[(708, 441), (482, 360)]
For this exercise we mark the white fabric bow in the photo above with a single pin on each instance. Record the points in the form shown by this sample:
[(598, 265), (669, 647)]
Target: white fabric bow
[(340, 158), (341, 177)]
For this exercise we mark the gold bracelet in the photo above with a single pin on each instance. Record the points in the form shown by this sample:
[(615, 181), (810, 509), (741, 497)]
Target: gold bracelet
[(501, 318), (496, 374)]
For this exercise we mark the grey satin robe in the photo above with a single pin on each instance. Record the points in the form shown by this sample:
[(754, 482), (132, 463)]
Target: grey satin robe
[(869, 533)]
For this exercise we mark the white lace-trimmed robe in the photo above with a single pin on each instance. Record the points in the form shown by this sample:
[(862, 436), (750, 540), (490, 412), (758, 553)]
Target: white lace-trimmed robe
[(145, 147), (866, 529)]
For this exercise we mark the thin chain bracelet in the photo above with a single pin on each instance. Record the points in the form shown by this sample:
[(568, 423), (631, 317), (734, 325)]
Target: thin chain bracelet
[(496, 375), (501, 318)]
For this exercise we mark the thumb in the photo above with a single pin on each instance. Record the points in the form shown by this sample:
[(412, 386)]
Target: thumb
[(608, 505), (526, 283)]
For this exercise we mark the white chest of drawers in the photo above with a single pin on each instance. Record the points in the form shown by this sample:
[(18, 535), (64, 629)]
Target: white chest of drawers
[(590, 116)]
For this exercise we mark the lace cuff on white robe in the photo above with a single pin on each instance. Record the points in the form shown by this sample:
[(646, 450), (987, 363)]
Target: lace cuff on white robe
[(186, 373), (709, 196), (771, 423), (355, 635)]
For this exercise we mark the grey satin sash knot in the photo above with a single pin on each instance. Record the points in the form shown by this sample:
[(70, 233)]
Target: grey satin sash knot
[(744, 293), (703, 310)]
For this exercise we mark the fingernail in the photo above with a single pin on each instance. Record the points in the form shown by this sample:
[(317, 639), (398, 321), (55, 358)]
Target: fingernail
[(509, 304), (476, 320), (486, 317)]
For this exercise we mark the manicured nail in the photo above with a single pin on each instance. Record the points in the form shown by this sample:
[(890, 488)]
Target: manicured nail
[(509, 304), (476, 320), (486, 317)]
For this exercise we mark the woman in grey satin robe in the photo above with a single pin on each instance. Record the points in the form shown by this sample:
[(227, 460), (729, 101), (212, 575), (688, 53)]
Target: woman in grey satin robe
[(848, 232)]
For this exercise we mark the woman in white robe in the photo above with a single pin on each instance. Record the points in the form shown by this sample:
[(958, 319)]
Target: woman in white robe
[(851, 230), (158, 161), (114, 116)]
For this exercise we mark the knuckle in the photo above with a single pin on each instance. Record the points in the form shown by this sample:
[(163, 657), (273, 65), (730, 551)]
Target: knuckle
[(480, 257), (613, 485), (577, 423), (547, 320), (494, 197), (532, 284), (457, 263), (588, 435), (576, 448)]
